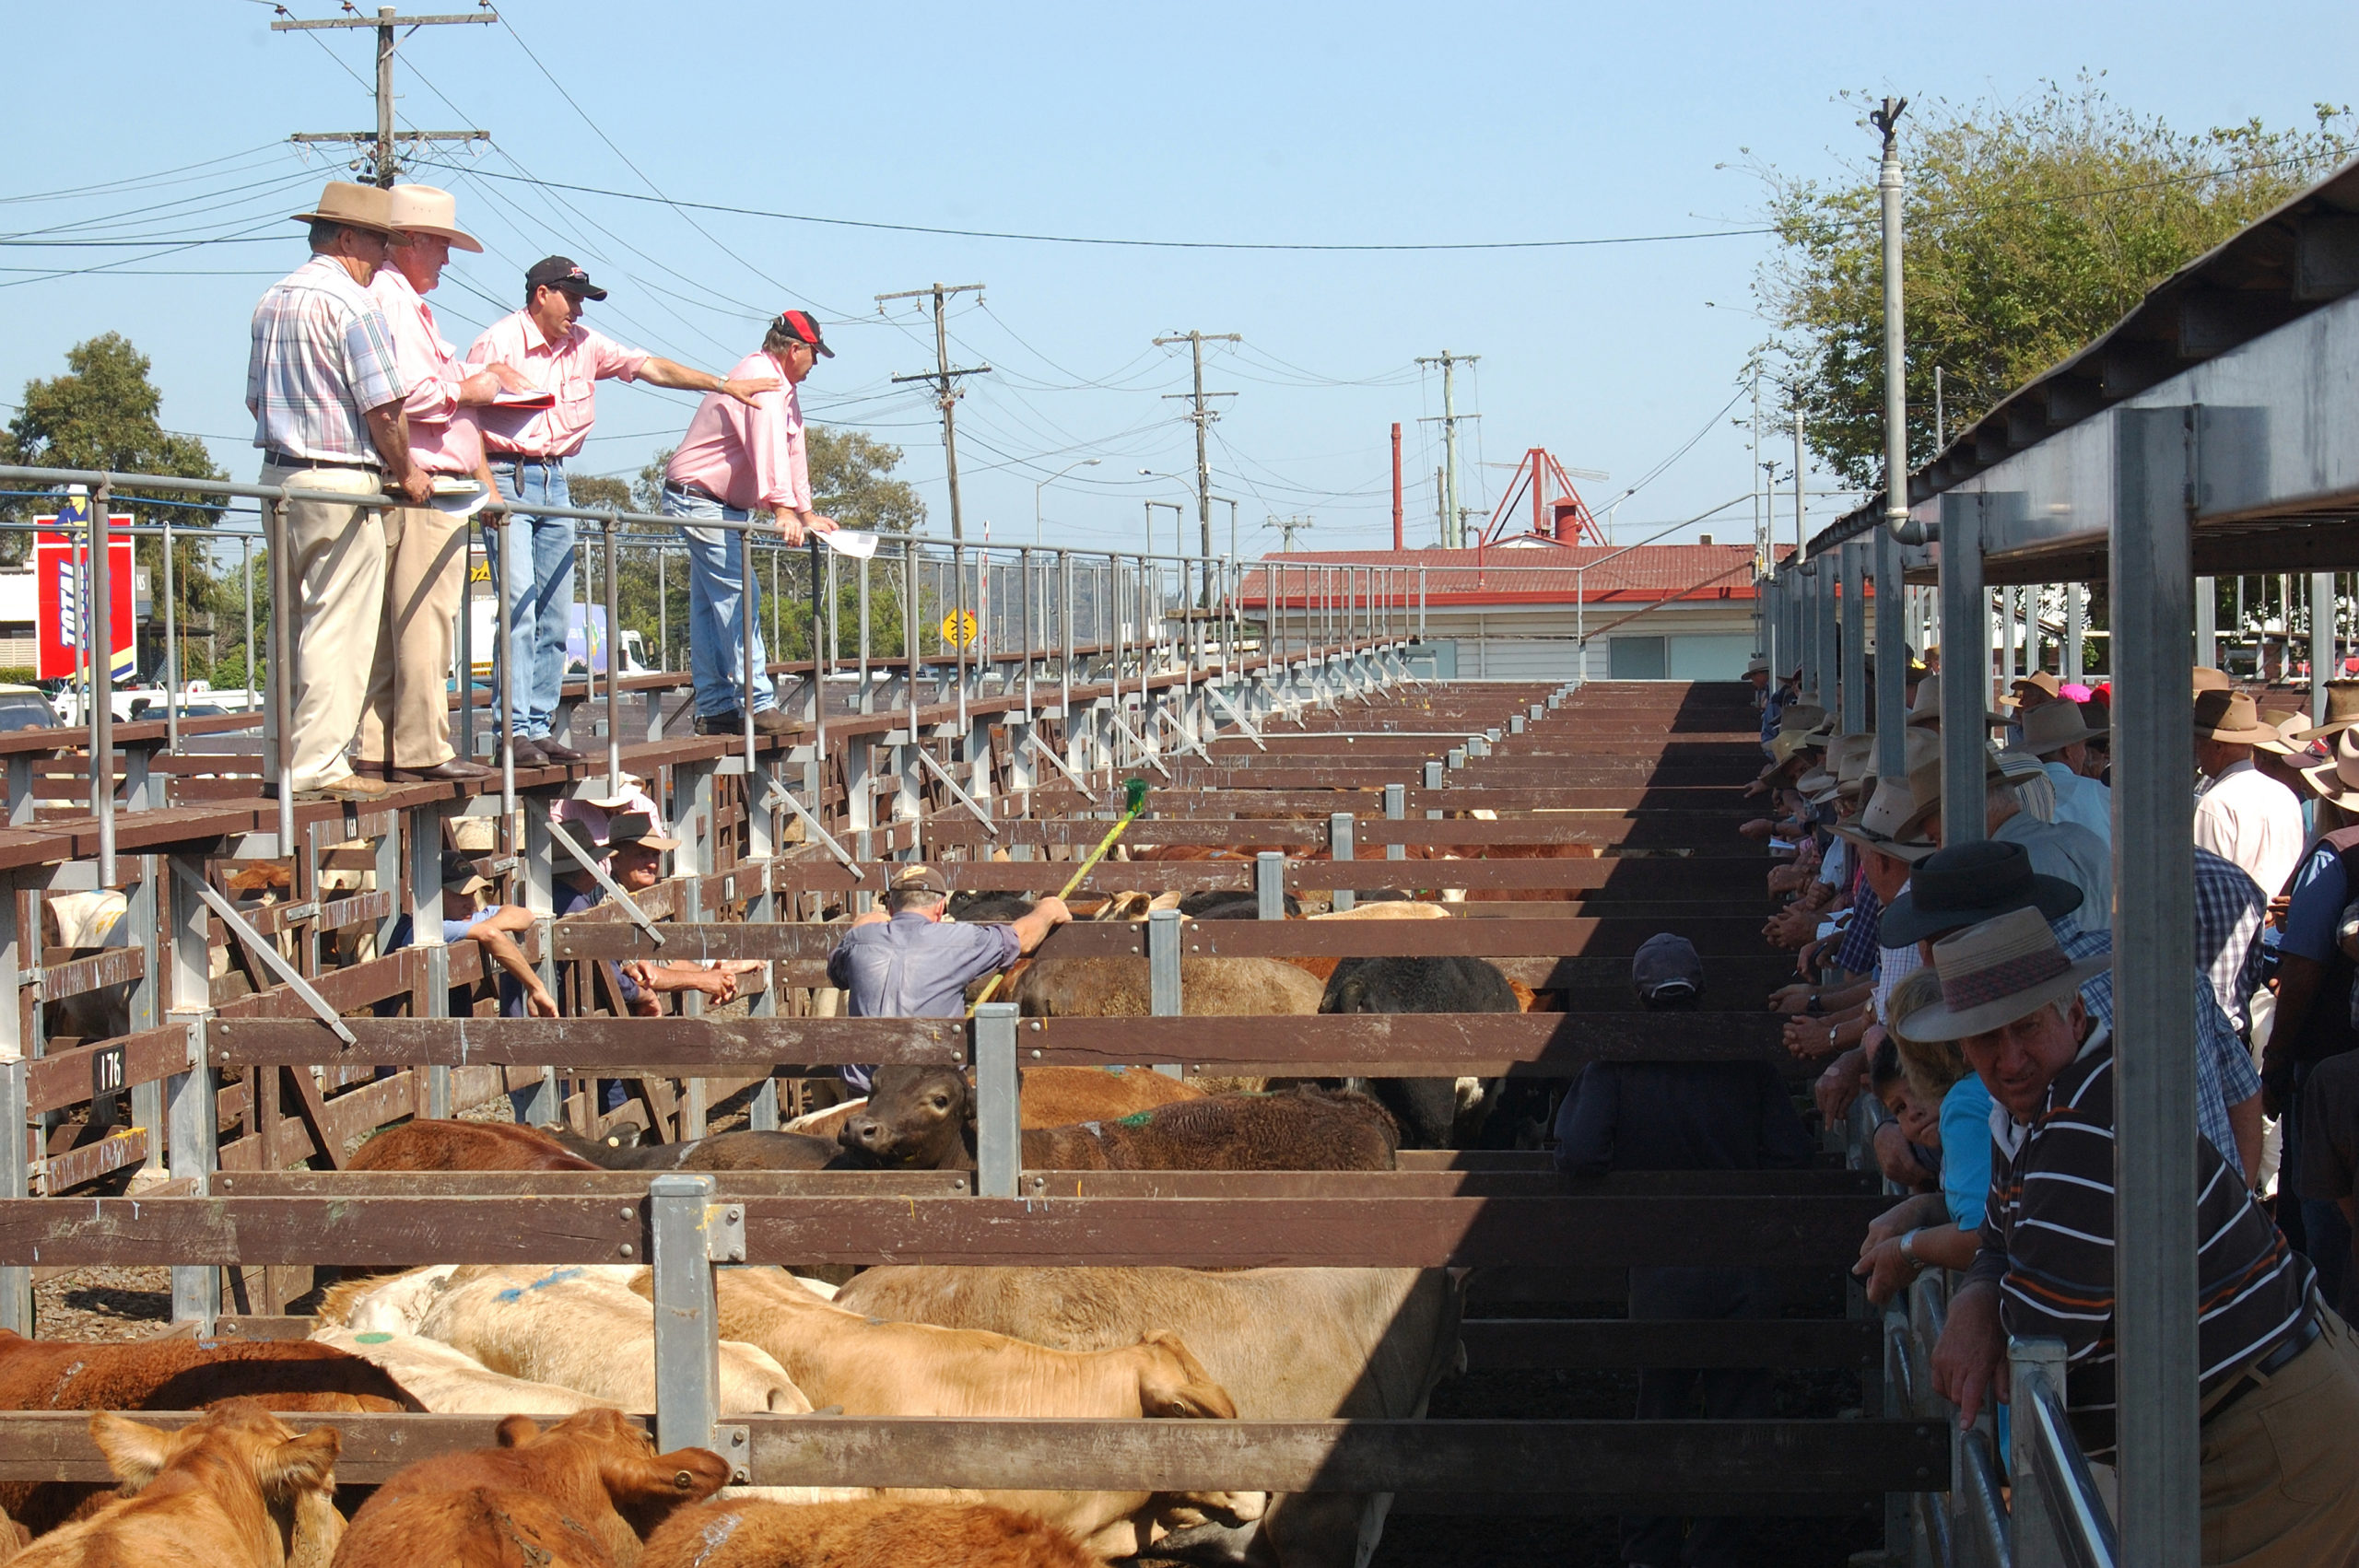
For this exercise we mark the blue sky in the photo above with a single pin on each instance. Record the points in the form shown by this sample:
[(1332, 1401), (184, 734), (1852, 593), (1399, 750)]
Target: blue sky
[(1373, 124)]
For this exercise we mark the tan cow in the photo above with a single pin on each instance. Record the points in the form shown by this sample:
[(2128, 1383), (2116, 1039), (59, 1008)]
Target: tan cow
[(583, 1328), (872, 1368), (451, 1382), (880, 1533), (1049, 1096), (236, 1488), (1293, 1344)]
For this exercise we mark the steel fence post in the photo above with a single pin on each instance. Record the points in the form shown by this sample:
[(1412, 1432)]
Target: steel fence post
[(999, 1137), (1339, 849), (687, 1315), (1270, 885)]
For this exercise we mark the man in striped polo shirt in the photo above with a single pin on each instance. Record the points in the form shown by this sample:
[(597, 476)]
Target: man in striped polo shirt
[(2279, 1378)]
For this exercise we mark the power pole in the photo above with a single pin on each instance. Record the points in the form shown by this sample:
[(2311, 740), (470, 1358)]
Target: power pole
[(944, 380), (383, 165), (1202, 417), (1290, 527), (1453, 519)]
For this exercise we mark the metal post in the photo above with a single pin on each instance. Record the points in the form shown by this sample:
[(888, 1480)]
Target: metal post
[(16, 1170), (503, 642), (662, 611), (246, 583), (999, 1139), (1270, 885), (1892, 658), (189, 1095), (466, 673), (172, 651), (2075, 625), (1396, 806), (614, 660), (1829, 672), (687, 1315), (1339, 849), (746, 612), (1163, 971), (1965, 670), (2155, 1127), (426, 934), (2321, 641), (102, 684), (1854, 638)]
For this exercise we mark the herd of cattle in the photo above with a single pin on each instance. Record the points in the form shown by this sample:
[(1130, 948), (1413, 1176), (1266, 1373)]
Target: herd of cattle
[(574, 1346), (561, 1354)]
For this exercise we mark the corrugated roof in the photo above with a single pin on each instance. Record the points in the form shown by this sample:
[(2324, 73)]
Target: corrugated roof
[(1538, 575)]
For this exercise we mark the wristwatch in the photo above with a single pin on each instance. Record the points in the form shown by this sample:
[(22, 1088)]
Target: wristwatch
[(1908, 1248), (1813, 1004)]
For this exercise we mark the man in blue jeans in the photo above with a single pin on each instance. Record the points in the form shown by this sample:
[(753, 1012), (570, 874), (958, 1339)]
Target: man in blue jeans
[(736, 458), (528, 444)]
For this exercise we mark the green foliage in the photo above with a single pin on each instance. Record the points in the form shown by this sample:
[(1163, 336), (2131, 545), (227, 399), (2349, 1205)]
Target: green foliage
[(2032, 228)]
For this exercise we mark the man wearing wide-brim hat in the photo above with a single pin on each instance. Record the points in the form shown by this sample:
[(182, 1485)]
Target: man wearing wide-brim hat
[(2057, 849), (2280, 1394), (2058, 735), (1927, 709), (1837, 1019), (326, 389), (905, 961), (1967, 883), (2031, 693), (405, 722), (2243, 814), (2341, 712)]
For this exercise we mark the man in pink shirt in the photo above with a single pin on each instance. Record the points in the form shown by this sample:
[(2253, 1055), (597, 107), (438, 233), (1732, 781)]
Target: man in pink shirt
[(739, 457), (405, 722), (528, 448)]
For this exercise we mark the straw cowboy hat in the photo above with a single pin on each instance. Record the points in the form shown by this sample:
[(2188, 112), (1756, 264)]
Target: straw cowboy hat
[(2041, 680), (2052, 725), (1927, 708), (2207, 679), (2290, 728), (2230, 718), (1817, 788), (2336, 780), (1925, 784), (1992, 974), (354, 207), (1968, 883), (1883, 823), (2341, 711), (1801, 718), (636, 830), (1756, 665), (422, 209)]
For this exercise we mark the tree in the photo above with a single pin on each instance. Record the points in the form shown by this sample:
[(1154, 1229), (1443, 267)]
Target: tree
[(2032, 228), (103, 414)]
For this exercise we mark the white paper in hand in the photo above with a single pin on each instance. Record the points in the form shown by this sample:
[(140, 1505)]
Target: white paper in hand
[(460, 497), (846, 542)]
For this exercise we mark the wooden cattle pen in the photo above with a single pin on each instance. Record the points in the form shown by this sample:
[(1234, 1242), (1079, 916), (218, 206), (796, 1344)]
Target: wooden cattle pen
[(236, 1095)]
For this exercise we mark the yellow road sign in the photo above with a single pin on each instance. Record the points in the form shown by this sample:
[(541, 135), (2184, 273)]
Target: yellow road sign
[(958, 627)]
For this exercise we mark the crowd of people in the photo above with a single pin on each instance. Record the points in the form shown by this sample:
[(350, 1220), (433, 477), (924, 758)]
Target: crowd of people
[(356, 392), (1965, 992)]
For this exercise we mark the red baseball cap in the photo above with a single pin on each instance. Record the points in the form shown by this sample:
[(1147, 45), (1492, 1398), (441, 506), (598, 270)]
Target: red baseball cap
[(798, 325)]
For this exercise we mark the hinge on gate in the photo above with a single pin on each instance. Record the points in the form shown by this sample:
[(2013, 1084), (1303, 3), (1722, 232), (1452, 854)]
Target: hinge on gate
[(724, 1233)]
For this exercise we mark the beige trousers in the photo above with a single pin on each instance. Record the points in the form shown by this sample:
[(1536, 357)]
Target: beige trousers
[(335, 576), (2278, 1464), (408, 682)]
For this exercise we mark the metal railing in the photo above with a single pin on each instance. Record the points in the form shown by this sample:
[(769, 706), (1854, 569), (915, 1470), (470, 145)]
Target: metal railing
[(1132, 597)]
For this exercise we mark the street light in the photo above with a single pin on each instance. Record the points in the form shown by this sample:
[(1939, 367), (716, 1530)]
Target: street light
[(1085, 463), (1179, 527)]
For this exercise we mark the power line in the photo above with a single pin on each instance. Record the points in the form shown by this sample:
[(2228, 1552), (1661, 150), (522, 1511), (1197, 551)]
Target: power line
[(1158, 244)]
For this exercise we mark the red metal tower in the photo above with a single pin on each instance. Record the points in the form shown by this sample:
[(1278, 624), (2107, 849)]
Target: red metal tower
[(1566, 519)]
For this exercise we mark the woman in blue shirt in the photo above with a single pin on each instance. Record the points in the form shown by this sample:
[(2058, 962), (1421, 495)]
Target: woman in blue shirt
[(1940, 1229)]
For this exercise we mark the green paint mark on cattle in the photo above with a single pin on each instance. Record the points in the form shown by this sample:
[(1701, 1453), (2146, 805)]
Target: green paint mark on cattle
[(1136, 1118), (370, 1339)]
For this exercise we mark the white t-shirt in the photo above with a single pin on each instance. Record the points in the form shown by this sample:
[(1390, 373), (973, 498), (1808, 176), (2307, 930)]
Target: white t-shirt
[(2247, 817)]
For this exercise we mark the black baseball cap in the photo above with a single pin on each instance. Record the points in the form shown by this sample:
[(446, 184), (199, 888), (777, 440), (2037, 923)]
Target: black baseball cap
[(798, 325), (560, 272), (1666, 966)]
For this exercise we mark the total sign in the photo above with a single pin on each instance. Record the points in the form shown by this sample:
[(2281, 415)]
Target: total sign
[(65, 626)]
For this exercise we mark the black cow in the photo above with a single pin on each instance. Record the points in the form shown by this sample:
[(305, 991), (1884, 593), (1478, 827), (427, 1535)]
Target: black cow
[(988, 909), (1428, 1109), (1228, 904)]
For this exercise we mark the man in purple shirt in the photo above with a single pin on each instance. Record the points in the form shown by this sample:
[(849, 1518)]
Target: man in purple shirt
[(905, 960)]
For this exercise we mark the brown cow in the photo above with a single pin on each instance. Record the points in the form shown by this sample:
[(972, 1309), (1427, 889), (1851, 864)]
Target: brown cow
[(1116, 987), (860, 1535), (744, 1150), (923, 1118), (171, 1374), (583, 1494), (1051, 1097), (425, 1145), (234, 1489)]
